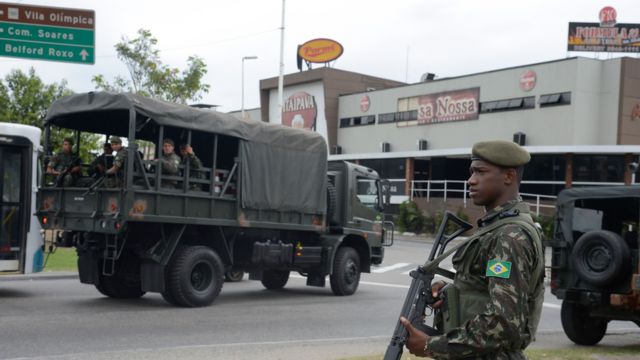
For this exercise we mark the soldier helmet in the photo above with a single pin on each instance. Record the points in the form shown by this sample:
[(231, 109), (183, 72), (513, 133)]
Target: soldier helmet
[(115, 140), (501, 153)]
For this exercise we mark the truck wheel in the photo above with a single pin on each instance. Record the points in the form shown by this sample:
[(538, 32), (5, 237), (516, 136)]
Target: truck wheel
[(233, 276), (275, 279), (195, 276), (600, 257), (125, 283), (581, 328), (346, 272)]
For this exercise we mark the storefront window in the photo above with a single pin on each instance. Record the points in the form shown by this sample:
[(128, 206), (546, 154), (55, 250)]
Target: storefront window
[(546, 168), (598, 168)]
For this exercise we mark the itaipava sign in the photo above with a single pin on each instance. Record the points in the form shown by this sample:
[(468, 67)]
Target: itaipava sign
[(320, 50)]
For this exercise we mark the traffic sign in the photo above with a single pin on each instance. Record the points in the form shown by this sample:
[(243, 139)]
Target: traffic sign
[(47, 33)]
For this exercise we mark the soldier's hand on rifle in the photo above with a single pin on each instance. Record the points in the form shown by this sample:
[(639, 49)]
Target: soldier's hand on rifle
[(52, 171), (436, 288), (417, 339)]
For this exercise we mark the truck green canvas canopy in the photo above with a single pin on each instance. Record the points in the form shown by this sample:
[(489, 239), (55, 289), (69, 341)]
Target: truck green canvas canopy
[(282, 168)]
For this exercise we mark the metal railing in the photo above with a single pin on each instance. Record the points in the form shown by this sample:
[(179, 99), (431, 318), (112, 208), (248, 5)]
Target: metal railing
[(425, 188)]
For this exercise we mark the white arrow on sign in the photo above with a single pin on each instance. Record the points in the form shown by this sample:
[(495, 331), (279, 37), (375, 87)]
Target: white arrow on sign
[(84, 54)]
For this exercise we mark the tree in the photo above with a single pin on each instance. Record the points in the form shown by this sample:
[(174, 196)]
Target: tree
[(150, 77), (25, 98)]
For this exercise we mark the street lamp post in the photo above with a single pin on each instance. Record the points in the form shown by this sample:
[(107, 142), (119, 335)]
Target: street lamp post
[(243, 59)]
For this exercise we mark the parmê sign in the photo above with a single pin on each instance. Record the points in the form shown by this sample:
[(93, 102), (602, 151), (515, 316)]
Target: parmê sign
[(597, 38), (47, 33), (320, 50)]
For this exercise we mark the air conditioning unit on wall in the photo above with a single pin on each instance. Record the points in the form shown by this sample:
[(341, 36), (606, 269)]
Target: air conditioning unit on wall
[(422, 144), (385, 147), (519, 138)]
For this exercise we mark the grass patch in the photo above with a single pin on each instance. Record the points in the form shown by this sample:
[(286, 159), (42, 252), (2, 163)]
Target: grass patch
[(573, 353), (63, 259), (580, 353)]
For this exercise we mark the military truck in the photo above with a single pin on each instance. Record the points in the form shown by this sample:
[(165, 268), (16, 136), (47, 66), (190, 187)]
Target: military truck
[(266, 202), (594, 264)]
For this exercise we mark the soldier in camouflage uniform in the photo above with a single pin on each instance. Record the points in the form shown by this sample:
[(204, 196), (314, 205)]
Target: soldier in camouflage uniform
[(65, 165), (170, 163), (116, 172), (99, 165), (189, 157), (499, 274)]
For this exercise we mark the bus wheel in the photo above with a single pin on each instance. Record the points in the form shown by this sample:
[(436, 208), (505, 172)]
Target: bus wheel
[(195, 276), (275, 279), (346, 272)]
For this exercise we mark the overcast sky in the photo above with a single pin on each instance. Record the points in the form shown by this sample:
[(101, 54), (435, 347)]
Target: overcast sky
[(397, 40)]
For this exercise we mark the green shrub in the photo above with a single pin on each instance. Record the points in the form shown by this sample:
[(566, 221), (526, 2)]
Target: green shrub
[(546, 222), (410, 218), (451, 227)]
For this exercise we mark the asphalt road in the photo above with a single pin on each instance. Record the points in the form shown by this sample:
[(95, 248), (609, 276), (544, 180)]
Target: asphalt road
[(57, 317)]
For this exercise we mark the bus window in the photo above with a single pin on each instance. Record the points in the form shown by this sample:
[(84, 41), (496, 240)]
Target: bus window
[(10, 220)]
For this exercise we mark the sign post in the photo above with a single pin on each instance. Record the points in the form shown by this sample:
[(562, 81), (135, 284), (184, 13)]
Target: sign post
[(47, 33)]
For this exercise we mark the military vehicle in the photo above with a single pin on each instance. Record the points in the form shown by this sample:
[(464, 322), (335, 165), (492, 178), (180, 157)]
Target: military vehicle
[(594, 265), (267, 202)]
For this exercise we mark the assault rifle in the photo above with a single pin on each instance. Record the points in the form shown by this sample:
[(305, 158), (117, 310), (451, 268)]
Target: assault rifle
[(60, 178), (419, 296)]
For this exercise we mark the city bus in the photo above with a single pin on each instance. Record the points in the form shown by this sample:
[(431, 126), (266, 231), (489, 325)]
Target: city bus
[(21, 241)]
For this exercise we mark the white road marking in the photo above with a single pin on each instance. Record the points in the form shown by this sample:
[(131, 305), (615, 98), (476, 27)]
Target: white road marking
[(378, 270)]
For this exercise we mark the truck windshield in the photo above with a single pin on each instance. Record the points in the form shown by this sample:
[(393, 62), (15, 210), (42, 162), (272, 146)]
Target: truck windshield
[(367, 192)]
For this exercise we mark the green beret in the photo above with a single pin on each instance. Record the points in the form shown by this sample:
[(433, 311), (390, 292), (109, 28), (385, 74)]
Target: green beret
[(115, 140), (501, 153)]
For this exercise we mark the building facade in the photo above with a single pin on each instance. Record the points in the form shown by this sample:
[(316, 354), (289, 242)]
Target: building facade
[(578, 117)]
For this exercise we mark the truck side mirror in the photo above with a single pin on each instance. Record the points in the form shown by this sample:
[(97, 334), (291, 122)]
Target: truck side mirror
[(384, 187)]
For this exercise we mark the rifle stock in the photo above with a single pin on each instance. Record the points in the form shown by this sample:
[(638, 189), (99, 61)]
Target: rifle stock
[(419, 295)]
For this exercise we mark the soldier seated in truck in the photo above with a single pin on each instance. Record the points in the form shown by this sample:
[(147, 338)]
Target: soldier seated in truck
[(65, 165)]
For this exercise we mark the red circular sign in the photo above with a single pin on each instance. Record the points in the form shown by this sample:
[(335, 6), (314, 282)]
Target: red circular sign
[(607, 16), (528, 80), (364, 103), (300, 111)]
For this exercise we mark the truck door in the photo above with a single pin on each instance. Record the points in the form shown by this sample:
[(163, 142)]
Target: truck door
[(13, 183)]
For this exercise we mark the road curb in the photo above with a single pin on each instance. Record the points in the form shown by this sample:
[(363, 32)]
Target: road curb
[(57, 275)]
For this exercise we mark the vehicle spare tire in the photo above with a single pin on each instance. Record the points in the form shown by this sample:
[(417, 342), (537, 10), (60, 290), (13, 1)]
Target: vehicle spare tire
[(600, 257)]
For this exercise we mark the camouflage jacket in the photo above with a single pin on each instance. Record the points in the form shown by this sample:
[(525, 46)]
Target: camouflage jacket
[(121, 159), (194, 165), (62, 161), (500, 329), (170, 164)]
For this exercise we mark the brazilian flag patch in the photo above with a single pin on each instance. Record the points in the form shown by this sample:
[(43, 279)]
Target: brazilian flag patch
[(497, 268)]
